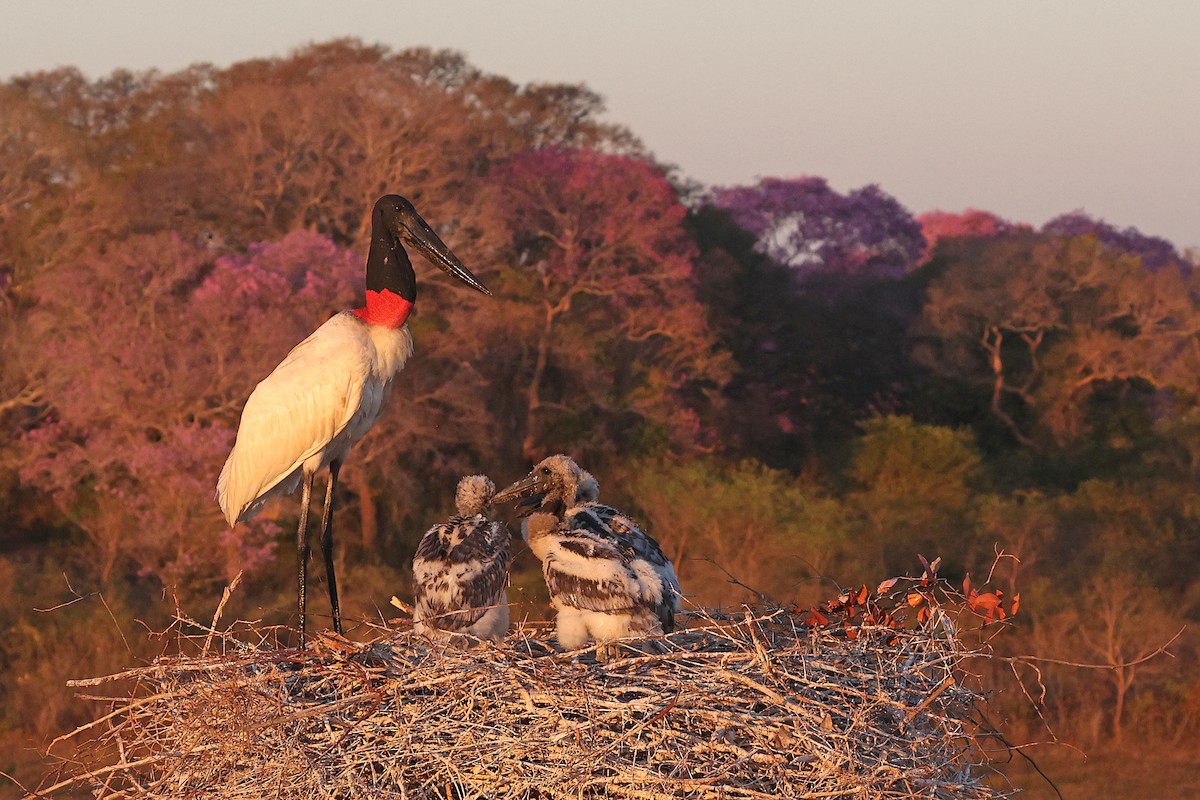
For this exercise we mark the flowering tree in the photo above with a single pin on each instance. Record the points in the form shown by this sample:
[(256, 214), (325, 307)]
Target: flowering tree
[(147, 351), (969, 224), (601, 299), (804, 223), (1154, 252)]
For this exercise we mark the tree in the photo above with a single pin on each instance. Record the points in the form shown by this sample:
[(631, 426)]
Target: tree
[(1054, 326), (1116, 623), (913, 484), (601, 298), (971, 223), (49, 198), (271, 145), (805, 224), (1156, 253)]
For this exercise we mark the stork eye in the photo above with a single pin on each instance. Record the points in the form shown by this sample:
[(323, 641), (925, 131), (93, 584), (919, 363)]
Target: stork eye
[(545, 470)]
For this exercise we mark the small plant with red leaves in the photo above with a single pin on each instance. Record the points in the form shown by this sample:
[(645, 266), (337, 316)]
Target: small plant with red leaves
[(908, 601)]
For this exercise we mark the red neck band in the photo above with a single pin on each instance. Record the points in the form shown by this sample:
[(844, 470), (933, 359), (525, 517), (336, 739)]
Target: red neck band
[(385, 308)]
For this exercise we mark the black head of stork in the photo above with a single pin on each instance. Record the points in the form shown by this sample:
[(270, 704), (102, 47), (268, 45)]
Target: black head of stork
[(554, 485), (394, 223)]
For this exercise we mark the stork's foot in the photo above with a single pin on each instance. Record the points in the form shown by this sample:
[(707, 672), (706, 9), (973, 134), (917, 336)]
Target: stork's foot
[(332, 642), (611, 651)]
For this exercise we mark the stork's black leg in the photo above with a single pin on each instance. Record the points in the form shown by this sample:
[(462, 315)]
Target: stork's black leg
[(302, 551), (327, 545)]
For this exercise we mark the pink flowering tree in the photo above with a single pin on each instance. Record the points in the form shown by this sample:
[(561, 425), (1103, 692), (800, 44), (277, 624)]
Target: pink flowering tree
[(148, 350), (600, 302), (969, 224)]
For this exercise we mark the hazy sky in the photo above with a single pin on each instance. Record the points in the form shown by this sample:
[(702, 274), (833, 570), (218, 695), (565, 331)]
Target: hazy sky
[(1024, 108)]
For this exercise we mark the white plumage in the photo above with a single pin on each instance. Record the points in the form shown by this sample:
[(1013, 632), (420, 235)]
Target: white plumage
[(321, 399), (607, 578), (461, 569)]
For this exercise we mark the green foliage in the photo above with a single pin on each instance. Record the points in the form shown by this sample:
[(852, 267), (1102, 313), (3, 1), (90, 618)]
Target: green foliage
[(761, 526), (913, 484), (898, 460)]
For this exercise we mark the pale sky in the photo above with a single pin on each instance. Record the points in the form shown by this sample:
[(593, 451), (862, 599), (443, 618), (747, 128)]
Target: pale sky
[(1026, 108)]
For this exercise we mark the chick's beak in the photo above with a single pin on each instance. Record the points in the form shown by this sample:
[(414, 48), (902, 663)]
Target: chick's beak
[(529, 490)]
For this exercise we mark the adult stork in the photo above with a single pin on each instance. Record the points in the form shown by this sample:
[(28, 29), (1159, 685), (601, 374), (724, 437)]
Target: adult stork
[(329, 390), (461, 569), (608, 579)]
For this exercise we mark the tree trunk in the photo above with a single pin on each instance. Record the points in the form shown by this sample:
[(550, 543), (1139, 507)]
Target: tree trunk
[(529, 445), (368, 511), (1124, 680), (993, 345)]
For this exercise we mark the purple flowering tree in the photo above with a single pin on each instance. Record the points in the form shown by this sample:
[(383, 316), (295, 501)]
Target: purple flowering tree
[(805, 224), (1154, 252)]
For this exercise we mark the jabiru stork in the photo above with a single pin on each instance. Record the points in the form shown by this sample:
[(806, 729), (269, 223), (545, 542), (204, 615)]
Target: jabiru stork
[(608, 579), (330, 389)]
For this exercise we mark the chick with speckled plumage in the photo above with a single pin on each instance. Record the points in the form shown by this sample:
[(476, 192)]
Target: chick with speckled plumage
[(461, 569), (608, 579)]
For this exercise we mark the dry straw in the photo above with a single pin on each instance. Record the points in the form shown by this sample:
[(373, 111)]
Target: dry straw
[(753, 705)]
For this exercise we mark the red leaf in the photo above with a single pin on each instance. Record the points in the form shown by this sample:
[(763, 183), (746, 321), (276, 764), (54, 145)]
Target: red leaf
[(816, 618), (888, 584), (987, 601)]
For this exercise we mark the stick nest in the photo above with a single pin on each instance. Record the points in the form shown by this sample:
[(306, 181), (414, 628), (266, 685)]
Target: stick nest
[(753, 705)]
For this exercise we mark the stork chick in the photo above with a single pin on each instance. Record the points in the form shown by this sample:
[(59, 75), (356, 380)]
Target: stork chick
[(461, 569), (608, 579)]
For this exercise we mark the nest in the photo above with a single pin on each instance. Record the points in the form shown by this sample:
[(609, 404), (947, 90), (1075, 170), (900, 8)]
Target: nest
[(753, 705)]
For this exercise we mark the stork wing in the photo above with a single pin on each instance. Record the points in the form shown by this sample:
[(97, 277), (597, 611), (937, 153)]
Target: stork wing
[(657, 584), (294, 413), (585, 570), (456, 585)]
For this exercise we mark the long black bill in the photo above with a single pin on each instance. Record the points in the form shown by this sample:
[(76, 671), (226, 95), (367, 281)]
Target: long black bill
[(422, 237)]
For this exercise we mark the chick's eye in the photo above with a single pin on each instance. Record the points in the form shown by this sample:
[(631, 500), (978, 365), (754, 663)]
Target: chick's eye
[(545, 470)]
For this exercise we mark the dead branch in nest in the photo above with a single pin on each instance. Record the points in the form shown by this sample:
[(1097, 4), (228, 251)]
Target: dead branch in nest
[(747, 705)]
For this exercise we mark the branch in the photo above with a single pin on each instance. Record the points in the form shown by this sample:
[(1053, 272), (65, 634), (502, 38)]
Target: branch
[(1160, 650), (30, 395), (762, 596)]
